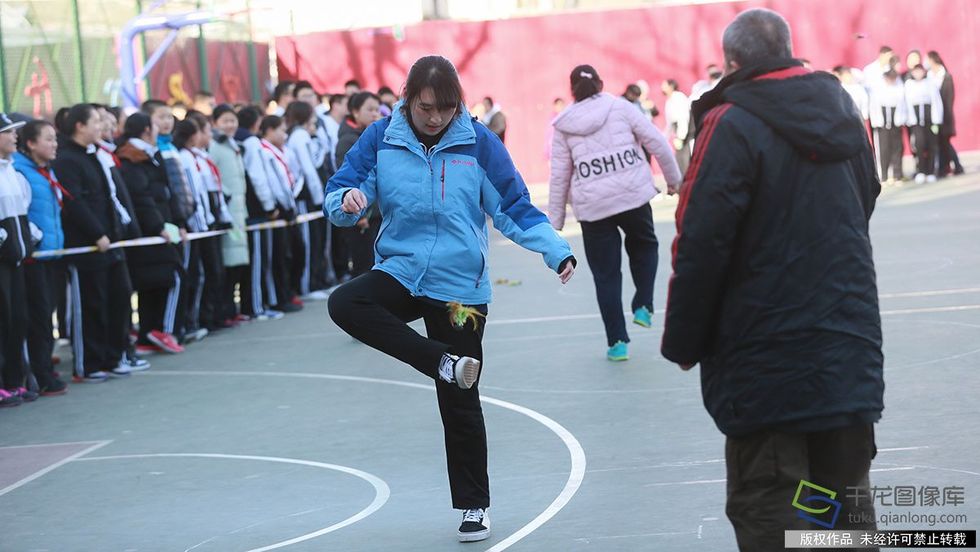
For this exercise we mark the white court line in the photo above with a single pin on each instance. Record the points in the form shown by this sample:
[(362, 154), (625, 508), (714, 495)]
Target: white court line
[(954, 308), (95, 445), (559, 318), (51, 444), (710, 481), (381, 490), (932, 293), (575, 451), (691, 482), (898, 449)]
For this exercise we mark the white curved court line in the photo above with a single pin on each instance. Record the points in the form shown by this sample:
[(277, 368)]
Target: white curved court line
[(381, 490), (95, 445), (575, 451)]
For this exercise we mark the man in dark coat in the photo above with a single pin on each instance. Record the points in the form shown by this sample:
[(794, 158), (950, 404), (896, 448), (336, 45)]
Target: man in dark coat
[(774, 290)]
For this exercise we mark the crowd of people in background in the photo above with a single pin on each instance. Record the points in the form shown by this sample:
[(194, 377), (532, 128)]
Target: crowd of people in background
[(906, 107), (228, 176), (235, 191)]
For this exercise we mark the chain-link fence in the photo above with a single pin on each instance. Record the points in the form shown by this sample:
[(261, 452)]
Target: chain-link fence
[(55, 53)]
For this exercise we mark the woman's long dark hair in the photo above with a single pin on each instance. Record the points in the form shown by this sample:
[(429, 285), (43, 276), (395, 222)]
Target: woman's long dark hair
[(434, 72), (297, 115), (66, 121), (183, 132), (30, 133), (357, 101), (136, 125)]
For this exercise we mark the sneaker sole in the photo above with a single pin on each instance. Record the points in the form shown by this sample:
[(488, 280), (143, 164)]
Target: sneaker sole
[(161, 345), (467, 373), (54, 393), (94, 380), (641, 323), (139, 368), (473, 537), (617, 358)]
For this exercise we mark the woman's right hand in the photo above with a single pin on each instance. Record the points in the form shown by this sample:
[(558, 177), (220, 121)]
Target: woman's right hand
[(354, 201)]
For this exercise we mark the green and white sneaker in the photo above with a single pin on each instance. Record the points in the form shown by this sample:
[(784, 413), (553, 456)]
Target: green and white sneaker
[(618, 352), (643, 317)]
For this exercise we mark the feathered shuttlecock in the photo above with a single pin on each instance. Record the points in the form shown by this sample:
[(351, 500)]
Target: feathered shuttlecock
[(460, 314)]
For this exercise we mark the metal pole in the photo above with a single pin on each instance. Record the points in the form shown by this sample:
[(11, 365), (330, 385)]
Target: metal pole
[(4, 100), (202, 56), (146, 82), (81, 57), (253, 64)]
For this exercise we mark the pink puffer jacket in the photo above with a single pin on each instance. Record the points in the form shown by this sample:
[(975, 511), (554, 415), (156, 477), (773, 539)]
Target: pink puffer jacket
[(597, 160)]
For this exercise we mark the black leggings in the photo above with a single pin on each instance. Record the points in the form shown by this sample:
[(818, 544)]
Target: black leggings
[(375, 309)]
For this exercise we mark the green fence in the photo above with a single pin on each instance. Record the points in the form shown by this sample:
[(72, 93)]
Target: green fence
[(55, 53)]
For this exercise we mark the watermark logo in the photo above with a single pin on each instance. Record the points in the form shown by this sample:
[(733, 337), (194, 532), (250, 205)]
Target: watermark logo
[(810, 507)]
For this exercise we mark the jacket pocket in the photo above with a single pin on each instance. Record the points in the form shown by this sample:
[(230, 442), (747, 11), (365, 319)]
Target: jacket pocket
[(386, 222), (483, 255)]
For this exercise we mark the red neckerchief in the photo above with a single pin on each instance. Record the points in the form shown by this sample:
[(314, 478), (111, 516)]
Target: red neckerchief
[(211, 165), (289, 173), (59, 191), (114, 158)]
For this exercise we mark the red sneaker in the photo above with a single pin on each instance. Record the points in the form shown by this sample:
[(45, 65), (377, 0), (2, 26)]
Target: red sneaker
[(147, 350), (296, 301), (165, 341)]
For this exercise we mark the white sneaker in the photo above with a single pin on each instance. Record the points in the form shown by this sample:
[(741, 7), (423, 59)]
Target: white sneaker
[(463, 371), (931, 178), (270, 314), (134, 364), (196, 335), (475, 526), (120, 371), (315, 296), (920, 178)]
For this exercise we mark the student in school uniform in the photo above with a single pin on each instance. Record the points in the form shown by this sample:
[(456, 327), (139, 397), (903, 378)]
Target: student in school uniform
[(100, 284), (262, 208), (156, 270), (227, 155), (888, 112), (212, 317), (281, 182), (186, 137), (37, 147), (302, 149), (321, 158), (16, 246), (925, 112)]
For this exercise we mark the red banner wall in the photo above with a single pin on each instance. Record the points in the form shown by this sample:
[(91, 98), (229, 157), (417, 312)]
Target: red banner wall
[(524, 63), (179, 72)]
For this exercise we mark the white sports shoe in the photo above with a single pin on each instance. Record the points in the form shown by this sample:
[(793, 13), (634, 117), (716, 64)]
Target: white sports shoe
[(463, 371)]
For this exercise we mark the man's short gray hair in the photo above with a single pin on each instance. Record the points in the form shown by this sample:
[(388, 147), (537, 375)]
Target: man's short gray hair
[(756, 35)]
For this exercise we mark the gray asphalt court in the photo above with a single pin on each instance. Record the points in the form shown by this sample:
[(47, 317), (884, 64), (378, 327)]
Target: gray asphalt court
[(290, 435)]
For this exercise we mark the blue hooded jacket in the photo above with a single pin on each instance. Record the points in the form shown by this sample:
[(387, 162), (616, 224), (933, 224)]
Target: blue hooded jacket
[(44, 211), (434, 204)]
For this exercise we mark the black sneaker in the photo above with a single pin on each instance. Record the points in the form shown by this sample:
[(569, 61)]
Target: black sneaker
[(8, 399), (24, 393), (475, 526), (54, 387)]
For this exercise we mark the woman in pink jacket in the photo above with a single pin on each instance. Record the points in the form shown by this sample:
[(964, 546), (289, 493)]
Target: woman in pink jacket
[(598, 163)]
